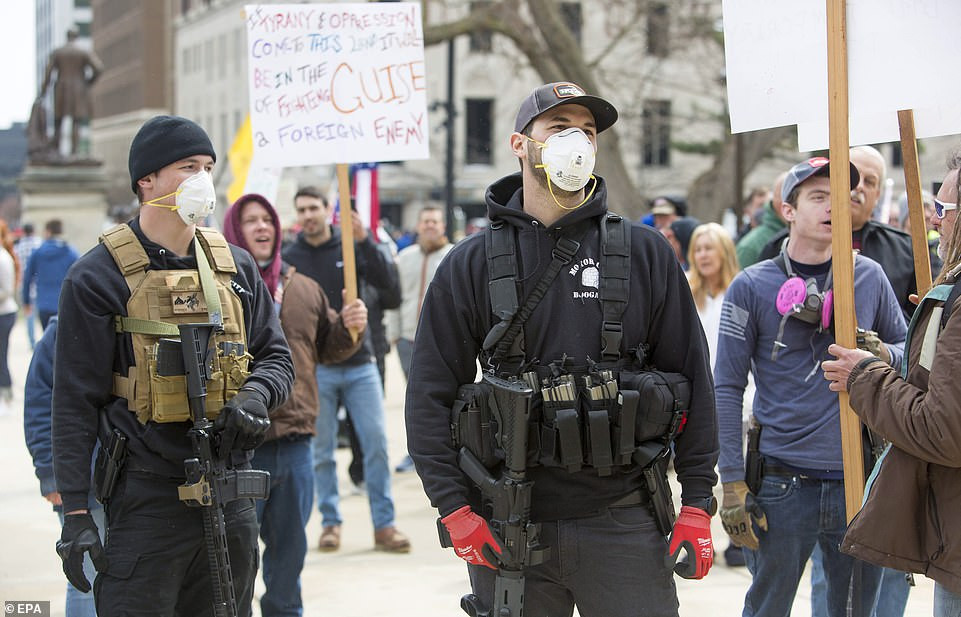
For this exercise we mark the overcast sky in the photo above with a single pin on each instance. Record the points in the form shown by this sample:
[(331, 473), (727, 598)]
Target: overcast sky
[(17, 50)]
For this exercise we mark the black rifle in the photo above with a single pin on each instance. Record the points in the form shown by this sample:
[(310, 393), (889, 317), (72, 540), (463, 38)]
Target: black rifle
[(210, 483), (509, 500)]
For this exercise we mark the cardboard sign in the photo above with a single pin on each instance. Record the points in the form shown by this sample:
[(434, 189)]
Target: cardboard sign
[(901, 55), (336, 83)]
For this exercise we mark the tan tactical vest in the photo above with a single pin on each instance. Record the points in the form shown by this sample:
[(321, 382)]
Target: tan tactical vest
[(161, 299)]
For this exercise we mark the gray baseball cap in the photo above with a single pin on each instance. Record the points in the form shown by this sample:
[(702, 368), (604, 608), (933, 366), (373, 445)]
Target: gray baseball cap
[(817, 166), (561, 93)]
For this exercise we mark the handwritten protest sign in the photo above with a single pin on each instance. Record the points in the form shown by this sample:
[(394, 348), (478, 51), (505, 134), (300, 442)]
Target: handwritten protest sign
[(336, 83), (899, 54)]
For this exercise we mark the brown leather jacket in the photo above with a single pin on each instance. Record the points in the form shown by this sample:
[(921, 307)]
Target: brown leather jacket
[(315, 334), (910, 520)]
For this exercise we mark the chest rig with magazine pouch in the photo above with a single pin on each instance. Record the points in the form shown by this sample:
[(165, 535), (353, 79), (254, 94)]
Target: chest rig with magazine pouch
[(614, 413), (162, 299)]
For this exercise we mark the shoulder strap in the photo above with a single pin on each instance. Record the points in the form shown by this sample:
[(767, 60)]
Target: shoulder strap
[(502, 336), (949, 303), (615, 282), (125, 248), (217, 249), (502, 283)]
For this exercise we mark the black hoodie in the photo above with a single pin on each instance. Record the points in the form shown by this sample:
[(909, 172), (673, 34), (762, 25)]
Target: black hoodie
[(324, 263), (457, 316), (89, 351)]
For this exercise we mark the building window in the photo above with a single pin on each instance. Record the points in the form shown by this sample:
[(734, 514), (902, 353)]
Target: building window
[(238, 50), (897, 155), (479, 131), (658, 35), (83, 29), (571, 14), (208, 59), (656, 134), (81, 4), (480, 40), (222, 54)]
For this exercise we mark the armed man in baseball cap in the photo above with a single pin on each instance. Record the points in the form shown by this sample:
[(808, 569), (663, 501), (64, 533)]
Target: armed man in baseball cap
[(576, 315)]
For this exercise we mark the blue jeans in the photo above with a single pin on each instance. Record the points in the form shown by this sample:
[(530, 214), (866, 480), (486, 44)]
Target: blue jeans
[(29, 320), (801, 513), (283, 517), (81, 604), (359, 389), (44, 317), (946, 603), (405, 353), (892, 596), (6, 325)]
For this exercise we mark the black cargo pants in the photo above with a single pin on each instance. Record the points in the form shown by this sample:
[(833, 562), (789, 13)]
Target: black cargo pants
[(608, 565), (157, 560)]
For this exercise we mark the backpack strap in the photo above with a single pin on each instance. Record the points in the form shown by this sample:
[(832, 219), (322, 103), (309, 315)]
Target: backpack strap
[(615, 282), (502, 285), (949, 303)]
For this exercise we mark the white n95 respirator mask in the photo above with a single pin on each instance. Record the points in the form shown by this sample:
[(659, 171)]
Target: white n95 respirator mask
[(196, 198), (568, 159)]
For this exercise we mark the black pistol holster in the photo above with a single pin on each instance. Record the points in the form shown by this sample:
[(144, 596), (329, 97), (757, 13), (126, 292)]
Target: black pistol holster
[(110, 460), (753, 461)]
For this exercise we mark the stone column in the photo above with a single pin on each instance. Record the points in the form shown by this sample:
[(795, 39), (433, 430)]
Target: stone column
[(75, 194)]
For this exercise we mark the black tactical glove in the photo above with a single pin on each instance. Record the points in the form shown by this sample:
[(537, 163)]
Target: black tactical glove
[(79, 535), (242, 422)]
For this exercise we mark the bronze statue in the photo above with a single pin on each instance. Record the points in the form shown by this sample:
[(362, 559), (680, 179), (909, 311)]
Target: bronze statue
[(77, 68)]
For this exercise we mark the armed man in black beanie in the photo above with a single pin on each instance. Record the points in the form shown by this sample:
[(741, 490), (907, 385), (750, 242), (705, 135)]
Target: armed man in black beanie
[(118, 301)]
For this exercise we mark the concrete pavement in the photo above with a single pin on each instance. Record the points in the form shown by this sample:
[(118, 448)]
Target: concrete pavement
[(353, 582)]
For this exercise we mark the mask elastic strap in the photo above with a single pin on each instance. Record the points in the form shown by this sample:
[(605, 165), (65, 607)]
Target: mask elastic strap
[(778, 345), (550, 187), (539, 143), (173, 208)]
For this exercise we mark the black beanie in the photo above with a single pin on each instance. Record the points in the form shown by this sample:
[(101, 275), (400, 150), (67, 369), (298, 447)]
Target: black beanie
[(163, 140)]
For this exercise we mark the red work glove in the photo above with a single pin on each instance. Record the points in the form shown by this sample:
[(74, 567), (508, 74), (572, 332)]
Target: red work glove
[(692, 531), (472, 538)]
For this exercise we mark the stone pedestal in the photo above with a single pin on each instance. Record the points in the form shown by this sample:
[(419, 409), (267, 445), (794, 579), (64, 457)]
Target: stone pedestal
[(75, 194)]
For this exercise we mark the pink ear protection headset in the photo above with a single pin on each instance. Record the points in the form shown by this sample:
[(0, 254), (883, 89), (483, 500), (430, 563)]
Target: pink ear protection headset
[(801, 299)]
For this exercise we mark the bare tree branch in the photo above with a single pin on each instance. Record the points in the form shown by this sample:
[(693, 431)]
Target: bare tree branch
[(617, 37)]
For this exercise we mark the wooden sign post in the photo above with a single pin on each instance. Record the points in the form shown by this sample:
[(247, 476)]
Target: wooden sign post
[(912, 185), (347, 238), (841, 252)]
